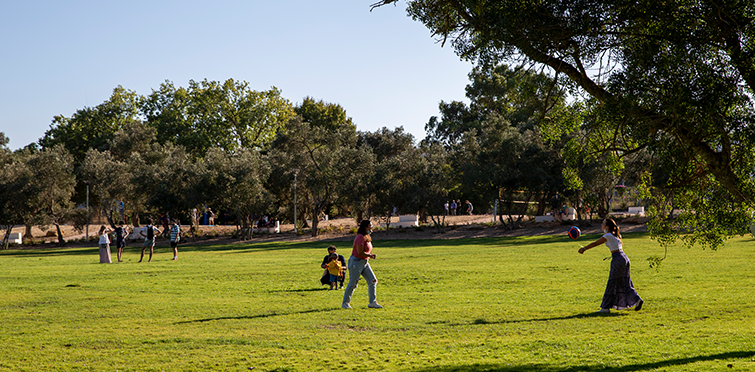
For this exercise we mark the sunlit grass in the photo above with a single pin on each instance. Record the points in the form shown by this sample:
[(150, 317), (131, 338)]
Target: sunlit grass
[(499, 304)]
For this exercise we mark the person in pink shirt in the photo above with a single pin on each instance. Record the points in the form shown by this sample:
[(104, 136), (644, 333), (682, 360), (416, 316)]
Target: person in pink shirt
[(359, 265)]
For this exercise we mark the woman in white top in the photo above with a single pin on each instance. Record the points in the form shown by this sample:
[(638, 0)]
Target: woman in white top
[(105, 244), (620, 293)]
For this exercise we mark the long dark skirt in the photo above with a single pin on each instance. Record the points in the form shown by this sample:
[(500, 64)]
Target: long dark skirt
[(620, 293)]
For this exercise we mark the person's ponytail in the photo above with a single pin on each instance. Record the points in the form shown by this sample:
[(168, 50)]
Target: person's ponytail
[(613, 228)]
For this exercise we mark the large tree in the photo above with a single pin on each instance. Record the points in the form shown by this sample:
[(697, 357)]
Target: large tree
[(327, 158), (229, 115), (388, 175), (674, 77), (93, 127), (233, 183), (13, 178), (497, 144), (48, 188)]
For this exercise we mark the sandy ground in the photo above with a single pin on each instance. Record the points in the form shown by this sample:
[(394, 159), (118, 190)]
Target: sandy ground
[(475, 226)]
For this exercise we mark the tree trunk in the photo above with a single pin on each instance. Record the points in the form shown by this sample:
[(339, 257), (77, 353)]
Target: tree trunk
[(108, 216), (27, 232), (61, 241), (303, 217), (315, 221), (440, 224), (249, 226), (6, 238), (541, 206)]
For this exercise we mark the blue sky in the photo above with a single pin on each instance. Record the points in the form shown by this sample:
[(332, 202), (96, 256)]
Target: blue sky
[(383, 67)]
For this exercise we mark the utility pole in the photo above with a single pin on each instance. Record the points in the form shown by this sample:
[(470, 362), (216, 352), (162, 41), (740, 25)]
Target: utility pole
[(89, 217), (296, 227)]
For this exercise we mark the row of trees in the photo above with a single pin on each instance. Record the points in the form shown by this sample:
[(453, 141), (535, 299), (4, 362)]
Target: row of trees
[(224, 145), (658, 95)]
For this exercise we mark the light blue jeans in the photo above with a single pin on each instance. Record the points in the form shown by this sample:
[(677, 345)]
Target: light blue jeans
[(357, 267)]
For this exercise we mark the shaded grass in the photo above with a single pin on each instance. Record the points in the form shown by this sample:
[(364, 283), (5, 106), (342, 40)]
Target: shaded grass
[(497, 304)]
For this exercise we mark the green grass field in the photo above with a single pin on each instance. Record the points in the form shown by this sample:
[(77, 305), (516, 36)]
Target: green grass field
[(499, 304)]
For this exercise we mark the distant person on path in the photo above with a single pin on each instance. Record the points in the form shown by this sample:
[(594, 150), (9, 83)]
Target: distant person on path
[(149, 233), (445, 207), (359, 265), (324, 265), (105, 244), (559, 214), (470, 208), (620, 293), (175, 236), (212, 217), (165, 222), (121, 232), (453, 207)]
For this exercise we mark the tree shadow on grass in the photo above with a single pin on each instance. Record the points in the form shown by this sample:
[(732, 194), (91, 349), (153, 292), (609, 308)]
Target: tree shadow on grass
[(259, 316), (322, 288), (575, 316), (163, 247), (136, 248), (581, 368)]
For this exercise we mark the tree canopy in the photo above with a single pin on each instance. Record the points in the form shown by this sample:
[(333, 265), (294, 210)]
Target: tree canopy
[(228, 115), (673, 78)]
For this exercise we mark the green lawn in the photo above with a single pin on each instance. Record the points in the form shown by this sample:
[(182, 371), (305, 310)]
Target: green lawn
[(502, 304)]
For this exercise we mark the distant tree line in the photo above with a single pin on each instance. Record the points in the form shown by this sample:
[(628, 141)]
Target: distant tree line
[(223, 145), (668, 110)]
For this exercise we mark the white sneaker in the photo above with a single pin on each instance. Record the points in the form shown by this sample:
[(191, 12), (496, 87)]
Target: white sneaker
[(346, 306), (374, 305)]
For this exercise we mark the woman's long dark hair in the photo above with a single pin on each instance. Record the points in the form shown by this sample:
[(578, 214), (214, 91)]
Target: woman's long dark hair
[(613, 228), (363, 226)]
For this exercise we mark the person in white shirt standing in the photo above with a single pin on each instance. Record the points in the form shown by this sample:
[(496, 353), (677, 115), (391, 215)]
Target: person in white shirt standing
[(620, 293), (105, 244)]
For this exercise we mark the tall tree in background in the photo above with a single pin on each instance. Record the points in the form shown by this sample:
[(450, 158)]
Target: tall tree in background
[(207, 114), (387, 178), (232, 182), (425, 187), (13, 177), (49, 188), (326, 156), (110, 183), (674, 77), (497, 147), (330, 116), (163, 178), (93, 127)]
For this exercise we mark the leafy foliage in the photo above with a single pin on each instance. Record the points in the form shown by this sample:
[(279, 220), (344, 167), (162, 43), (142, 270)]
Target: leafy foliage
[(228, 115), (325, 154), (673, 78)]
